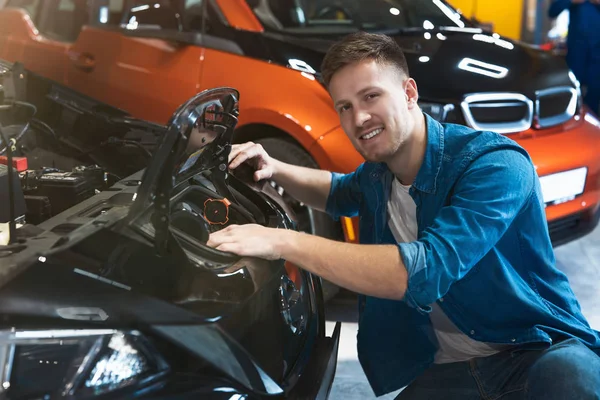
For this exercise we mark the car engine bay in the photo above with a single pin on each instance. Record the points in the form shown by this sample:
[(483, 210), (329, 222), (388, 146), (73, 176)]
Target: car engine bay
[(67, 148)]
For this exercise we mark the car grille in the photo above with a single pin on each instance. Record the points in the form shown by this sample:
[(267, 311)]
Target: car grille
[(500, 112), (564, 224), (568, 228), (514, 112), (555, 105)]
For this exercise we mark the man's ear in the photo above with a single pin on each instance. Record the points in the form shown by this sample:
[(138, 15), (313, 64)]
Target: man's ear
[(412, 93)]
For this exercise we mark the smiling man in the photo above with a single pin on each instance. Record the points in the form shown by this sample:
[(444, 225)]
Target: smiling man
[(459, 294)]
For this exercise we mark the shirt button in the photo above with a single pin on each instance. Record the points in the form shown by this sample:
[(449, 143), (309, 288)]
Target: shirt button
[(472, 332), (441, 299), (513, 340)]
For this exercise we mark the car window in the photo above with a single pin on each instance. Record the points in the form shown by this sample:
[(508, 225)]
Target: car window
[(181, 15), (31, 6), (193, 14), (337, 16), (62, 20), (153, 15), (107, 12), (196, 11)]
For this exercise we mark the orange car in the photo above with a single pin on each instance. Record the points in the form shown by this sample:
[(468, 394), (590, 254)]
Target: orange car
[(147, 57)]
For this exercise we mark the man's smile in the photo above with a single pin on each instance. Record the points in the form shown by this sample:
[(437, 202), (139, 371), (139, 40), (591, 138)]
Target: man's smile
[(371, 134)]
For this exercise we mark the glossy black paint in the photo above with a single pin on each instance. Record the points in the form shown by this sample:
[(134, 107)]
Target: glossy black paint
[(439, 78), (222, 332)]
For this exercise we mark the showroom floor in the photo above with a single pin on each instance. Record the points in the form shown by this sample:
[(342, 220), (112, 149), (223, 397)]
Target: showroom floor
[(580, 260)]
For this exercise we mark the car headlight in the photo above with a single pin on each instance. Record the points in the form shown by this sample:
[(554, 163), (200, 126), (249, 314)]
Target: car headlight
[(37, 364), (437, 111)]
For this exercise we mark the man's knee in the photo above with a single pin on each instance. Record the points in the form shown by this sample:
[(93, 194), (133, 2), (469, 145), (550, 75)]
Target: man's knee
[(566, 370)]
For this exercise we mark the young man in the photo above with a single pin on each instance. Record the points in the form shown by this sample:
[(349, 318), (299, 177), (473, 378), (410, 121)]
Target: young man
[(459, 294)]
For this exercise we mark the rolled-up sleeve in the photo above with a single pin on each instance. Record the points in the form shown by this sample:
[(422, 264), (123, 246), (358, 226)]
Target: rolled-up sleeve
[(345, 194), (484, 203)]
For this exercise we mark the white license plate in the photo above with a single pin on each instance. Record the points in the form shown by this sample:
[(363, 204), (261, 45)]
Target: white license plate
[(563, 186)]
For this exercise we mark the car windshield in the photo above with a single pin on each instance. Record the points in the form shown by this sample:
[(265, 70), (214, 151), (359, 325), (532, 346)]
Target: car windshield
[(341, 16)]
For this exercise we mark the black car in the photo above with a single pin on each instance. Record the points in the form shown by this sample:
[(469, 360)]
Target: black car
[(112, 293)]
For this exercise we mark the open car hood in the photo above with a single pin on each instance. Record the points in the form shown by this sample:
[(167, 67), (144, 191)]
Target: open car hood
[(198, 138)]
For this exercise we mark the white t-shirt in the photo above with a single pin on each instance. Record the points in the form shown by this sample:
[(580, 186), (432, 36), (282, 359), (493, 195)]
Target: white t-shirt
[(454, 345)]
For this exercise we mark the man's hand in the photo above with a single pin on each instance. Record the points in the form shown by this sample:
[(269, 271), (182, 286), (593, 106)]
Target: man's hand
[(582, 1), (596, 2), (254, 155), (249, 240), (374, 270)]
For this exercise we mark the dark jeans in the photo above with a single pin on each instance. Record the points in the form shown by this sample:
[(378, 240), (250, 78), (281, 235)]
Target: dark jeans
[(568, 371)]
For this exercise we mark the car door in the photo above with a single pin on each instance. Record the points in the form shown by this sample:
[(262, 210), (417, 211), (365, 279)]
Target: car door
[(154, 72), (91, 57), (39, 33)]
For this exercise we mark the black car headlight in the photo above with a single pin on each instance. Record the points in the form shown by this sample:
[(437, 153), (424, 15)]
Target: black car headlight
[(76, 363), (437, 111)]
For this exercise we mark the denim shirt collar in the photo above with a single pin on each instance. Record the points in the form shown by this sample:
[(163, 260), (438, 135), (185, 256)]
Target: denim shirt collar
[(426, 180)]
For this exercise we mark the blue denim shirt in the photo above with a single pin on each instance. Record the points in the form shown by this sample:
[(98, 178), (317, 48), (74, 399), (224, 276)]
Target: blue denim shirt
[(483, 253)]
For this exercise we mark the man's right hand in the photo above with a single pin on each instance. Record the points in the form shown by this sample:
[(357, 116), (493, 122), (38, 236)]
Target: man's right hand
[(310, 186), (255, 156)]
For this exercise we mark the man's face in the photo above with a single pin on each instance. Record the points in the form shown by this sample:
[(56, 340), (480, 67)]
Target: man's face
[(373, 102)]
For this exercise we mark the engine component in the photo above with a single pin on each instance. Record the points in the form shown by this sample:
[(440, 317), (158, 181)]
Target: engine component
[(216, 211), (38, 209), (19, 163), (19, 201), (49, 191)]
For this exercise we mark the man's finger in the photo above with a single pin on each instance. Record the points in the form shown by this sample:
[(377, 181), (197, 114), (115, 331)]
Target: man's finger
[(213, 241), (243, 156), (238, 148), (222, 236), (229, 248), (262, 174)]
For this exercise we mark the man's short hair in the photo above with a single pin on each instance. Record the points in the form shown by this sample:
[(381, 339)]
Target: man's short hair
[(361, 46)]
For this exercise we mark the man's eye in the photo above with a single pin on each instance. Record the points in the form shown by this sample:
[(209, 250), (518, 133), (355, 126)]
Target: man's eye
[(344, 108), (372, 96)]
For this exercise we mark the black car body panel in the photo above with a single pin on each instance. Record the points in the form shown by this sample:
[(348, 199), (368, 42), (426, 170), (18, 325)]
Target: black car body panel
[(210, 324), (439, 78)]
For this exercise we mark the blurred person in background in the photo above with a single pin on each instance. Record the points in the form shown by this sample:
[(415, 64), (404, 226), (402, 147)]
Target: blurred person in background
[(583, 44)]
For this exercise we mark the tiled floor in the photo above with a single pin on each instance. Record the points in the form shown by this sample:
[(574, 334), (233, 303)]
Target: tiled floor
[(580, 260)]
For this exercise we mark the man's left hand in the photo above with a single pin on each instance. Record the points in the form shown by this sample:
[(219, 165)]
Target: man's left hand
[(249, 240)]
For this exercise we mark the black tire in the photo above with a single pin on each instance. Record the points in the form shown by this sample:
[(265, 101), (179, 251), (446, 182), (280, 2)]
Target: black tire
[(309, 220)]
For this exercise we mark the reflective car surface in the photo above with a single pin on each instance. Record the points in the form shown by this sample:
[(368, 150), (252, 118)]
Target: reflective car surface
[(107, 287), (147, 57)]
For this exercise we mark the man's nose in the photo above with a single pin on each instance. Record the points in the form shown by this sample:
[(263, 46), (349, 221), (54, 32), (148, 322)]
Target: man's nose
[(360, 117)]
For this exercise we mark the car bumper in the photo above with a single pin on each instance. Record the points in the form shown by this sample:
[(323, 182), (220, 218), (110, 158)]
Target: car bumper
[(572, 145), (317, 381), (574, 226)]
